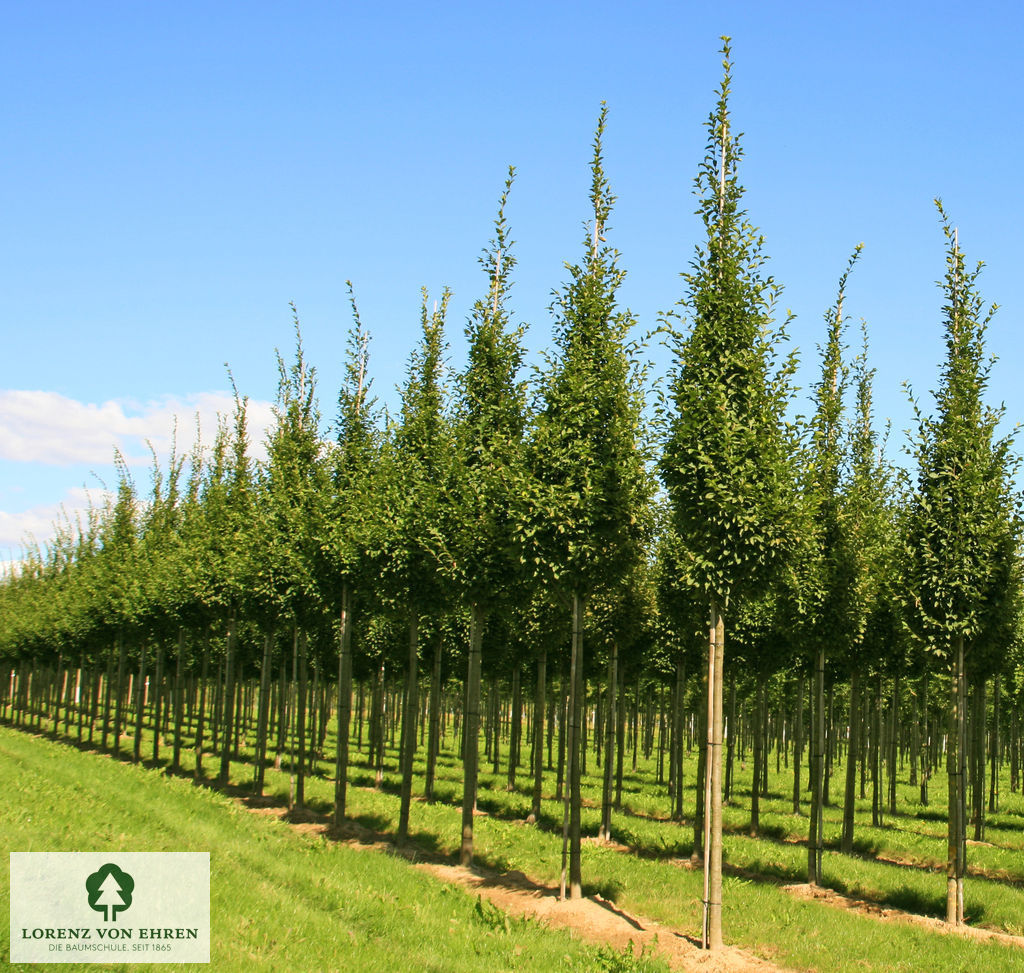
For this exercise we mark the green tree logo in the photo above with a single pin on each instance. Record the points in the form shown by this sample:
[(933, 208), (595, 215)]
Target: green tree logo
[(110, 891)]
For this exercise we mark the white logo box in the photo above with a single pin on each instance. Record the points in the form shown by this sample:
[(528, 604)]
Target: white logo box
[(147, 907)]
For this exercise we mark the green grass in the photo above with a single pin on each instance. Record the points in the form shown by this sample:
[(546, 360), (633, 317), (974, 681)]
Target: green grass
[(279, 900), (899, 865), (758, 915)]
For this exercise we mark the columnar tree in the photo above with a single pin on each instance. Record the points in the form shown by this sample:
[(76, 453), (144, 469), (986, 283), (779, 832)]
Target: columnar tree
[(296, 481), (349, 524), (592, 487), (865, 559), (421, 561), (827, 616), (957, 527), (489, 426), (726, 462)]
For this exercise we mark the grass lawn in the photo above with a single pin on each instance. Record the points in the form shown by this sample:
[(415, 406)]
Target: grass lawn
[(290, 907), (279, 900)]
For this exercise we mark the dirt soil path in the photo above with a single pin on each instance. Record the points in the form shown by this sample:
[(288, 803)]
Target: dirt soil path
[(596, 920), (599, 921), (592, 919), (887, 914)]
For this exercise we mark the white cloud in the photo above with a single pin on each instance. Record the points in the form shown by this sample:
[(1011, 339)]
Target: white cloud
[(50, 428), (37, 523)]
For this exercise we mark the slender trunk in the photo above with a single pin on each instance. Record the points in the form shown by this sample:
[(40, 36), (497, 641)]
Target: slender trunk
[(994, 747), (978, 782), (409, 727), (229, 701), (620, 739), (538, 737), (119, 692), (730, 738), (851, 763), (798, 741), (915, 737), (700, 816), (259, 774), (830, 746), (815, 835), (956, 830), (140, 704), (876, 759), (894, 731), (179, 709), (515, 729), (204, 675), (300, 721), (563, 721), (571, 811), (292, 709), (611, 721), (471, 730), (434, 735), (926, 763), (755, 791), (677, 738), (712, 926)]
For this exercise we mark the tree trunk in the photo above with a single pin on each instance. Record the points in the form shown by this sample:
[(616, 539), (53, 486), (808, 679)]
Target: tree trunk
[(851, 764), (956, 830), (229, 700), (434, 736), (994, 747), (515, 729), (471, 730), (204, 677), (538, 737), (140, 703), (756, 788), (926, 763), (677, 739), (798, 741), (571, 812), (263, 717), (179, 687), (730, 739), (611, 722), (409, 718), (712, 926), (119, 692), (815, 834)]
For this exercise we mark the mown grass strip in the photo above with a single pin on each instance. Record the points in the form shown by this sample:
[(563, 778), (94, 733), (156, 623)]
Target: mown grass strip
[(279, 900)]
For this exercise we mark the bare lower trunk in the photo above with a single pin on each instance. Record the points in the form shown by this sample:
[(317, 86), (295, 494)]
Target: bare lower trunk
[(798, 741), (851, 764), (571, 811), (814, 837), (434, 735), (263, 718), (229, 700), (956, 831), (409, 718), (344, 715), (471, 731), (611, 722), (712, 927), (538, 737)]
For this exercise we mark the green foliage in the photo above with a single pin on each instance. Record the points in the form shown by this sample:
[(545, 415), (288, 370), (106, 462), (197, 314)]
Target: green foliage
[(490, 420), (416, 474), (589, 521), (963, 519), (727, 459)]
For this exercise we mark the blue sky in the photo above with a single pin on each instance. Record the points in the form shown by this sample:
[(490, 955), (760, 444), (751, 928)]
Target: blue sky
[(175, 174)]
